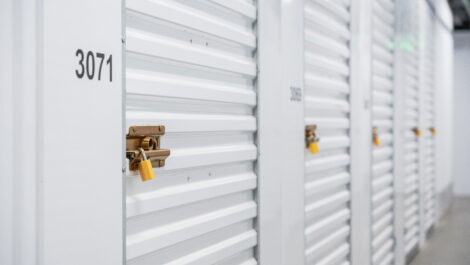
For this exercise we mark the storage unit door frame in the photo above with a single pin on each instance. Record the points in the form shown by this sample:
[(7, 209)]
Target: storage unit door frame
[(327, 105), (428, 122), (191, 66), (382, 182), (410, 180)]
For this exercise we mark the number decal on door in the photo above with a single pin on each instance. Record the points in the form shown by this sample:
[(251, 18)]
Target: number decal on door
[(91, 62), (80, 73)]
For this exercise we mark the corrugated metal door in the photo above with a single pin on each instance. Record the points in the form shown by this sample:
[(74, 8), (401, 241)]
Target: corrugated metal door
[(410, 46), (327, 174), (383, 32), (429, 191), (191, 67)]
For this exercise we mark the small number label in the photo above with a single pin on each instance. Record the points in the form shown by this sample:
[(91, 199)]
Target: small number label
[(91, 64), (295, 94)]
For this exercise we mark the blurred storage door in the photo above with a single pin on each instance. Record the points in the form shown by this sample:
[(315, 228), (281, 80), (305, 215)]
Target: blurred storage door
[(383, 32), (190, 66), (429, 123), (327, 105), (410, 47)]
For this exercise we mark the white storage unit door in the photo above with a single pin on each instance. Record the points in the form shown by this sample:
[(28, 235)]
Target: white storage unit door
[(190, 66), (409, 45), (327, 174), (383, 31), (429, 122)]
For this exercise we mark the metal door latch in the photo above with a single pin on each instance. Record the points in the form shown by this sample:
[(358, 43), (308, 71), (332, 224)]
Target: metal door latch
[(147, 138), (417, 131), (311, 139), (375, 136)]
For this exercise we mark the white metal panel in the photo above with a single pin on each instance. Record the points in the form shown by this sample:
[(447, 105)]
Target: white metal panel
[(7, 199), (270, 248), (21, 119), (409, 45), (191, 67), (327, 104), (361, 122), (79, 202), (293, 132), (383, 31)]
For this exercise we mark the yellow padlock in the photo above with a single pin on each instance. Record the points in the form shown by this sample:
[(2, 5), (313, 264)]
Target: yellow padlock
[(417, 132), (376, 141), (311, 139), (433, 131), (375, 136), (313, 147), (145, 167)]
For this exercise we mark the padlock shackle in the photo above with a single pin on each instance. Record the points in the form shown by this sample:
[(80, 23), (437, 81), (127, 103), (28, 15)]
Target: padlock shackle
[(143, 153)]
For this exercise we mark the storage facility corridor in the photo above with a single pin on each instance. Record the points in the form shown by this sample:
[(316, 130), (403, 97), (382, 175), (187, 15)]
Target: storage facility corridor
[(450, 240), (235, 132)]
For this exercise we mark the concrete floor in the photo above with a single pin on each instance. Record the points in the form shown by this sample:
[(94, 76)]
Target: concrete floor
[(450, 242)]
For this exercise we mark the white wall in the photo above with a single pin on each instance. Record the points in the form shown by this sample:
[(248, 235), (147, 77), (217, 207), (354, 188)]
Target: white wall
[(462, 114), (444, 65), (60, 150)]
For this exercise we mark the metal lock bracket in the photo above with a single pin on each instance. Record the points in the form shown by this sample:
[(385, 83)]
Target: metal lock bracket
[(375, 136), (375, 132), (310, 136), (147, 138)]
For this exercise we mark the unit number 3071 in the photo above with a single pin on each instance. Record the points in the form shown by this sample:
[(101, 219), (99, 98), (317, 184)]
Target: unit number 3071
[(91, 65)]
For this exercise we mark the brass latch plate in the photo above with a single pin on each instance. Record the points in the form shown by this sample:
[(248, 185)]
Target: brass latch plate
[(310, 135), (147, 138)]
